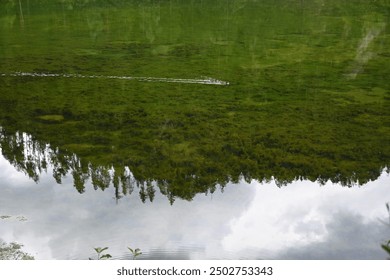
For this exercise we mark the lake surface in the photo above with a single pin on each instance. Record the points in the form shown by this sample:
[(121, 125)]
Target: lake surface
[(195, 130)]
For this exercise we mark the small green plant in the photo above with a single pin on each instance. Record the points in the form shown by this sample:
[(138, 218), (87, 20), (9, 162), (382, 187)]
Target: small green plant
[(100, 256), (135, 252), (386, 246), (99, 252)]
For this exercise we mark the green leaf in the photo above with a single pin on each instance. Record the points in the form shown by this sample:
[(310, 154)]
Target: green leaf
[(99, 249), (106, 256), (386, 247)]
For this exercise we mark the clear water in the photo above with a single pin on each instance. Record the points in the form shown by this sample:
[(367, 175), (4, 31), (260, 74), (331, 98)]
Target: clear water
[(195, 129)]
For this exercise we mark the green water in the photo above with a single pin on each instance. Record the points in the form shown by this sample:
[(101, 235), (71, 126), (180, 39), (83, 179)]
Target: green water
[(308, 94)]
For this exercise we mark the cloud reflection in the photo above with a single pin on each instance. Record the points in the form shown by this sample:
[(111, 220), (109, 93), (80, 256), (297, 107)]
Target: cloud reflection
[(299, 221), (305, 221)]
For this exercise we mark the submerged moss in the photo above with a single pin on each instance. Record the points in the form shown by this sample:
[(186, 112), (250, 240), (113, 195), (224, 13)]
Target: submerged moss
[(308, 93), (51, 118)]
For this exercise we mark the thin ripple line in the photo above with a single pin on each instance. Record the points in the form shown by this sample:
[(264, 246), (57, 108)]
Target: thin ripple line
[(204, 81)]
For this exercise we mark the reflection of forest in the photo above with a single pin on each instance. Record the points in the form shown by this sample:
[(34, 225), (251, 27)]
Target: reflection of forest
[(33, 157)]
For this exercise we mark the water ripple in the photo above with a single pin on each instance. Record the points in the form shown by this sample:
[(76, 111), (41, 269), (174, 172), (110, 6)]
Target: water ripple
[(204, 81)]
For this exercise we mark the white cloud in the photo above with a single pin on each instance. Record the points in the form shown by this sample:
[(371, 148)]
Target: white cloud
[(300, 214)]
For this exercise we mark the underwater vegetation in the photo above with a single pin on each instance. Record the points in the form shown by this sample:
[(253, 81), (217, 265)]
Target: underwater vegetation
[(308, 94)]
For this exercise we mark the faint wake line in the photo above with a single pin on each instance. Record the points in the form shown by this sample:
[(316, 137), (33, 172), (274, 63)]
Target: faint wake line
[(363, 54), (204, 81)]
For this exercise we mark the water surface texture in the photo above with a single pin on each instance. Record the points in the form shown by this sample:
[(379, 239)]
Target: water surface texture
[(195, 129)]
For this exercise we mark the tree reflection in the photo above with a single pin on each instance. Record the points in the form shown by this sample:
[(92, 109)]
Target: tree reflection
[(33, 157)]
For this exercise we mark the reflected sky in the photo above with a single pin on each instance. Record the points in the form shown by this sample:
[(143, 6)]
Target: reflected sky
[(246, 221)]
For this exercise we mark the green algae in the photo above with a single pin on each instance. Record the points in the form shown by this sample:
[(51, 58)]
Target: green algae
[(308, 93), (51, 118)]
